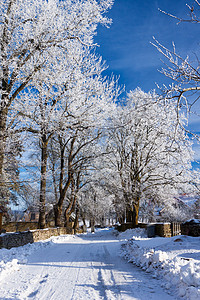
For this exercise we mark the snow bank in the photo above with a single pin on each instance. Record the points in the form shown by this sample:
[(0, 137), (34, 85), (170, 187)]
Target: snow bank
[(175, 260), (137, 233), (10, 259)]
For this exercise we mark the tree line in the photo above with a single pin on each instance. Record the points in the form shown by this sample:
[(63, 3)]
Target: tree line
[(64, 137)]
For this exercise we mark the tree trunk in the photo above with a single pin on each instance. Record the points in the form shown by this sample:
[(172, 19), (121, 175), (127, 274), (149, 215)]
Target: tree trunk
[(66, 218), (58, 206), (76, 225), (3, 137), (84, 221), (58, 214), (3, 117), (103, 222), (92, 222), (129, 214), (42, 222), (135, 213), (62, 188)]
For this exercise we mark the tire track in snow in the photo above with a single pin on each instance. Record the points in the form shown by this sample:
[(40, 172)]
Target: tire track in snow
[(63, 277), (112, 291), (33, 288)]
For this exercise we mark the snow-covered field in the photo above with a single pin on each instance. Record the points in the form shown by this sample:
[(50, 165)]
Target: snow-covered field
[(176, 260), (90, 266)]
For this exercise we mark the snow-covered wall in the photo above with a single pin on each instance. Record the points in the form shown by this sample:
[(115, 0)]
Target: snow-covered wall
[(160, 229), (10, 240)]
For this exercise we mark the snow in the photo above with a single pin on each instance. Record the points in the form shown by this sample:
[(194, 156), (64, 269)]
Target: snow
[(193, 221), (87, 266), (11, 259), (189, 200), (92, 266), (175, 261)]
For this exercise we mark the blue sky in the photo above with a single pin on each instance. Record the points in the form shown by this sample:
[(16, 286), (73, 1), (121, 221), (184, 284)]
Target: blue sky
[(126, 44)]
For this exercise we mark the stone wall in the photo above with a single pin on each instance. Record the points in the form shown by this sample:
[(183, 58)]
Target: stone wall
[(125, 226), (160, 229), (25, 226), (19, 226), (163, 229), (190, 229), (10, 240)]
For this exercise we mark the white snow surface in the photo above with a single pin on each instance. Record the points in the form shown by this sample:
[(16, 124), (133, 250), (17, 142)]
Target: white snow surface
[(87, 266), (175, 261)]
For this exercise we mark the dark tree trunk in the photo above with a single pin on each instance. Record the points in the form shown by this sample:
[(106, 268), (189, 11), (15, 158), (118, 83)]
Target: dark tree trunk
[(121, 218), (132, 213), (84, 222), (135, 212), (3, 137), (66, 219), (103, 222), (59, 204), (76, 225), (42, 222), (58, 215), (63, 187), (3, 118), (58, 207), (92, 222), (129, 214)]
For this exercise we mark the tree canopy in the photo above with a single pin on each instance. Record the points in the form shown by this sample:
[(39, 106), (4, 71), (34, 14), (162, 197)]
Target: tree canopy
[(91, 153)]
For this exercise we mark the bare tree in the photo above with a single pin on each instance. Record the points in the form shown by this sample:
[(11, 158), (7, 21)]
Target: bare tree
[(31, 34), (148, 158), (183, 71)]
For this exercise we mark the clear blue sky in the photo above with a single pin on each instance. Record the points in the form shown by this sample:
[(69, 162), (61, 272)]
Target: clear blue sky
[(126, 44)]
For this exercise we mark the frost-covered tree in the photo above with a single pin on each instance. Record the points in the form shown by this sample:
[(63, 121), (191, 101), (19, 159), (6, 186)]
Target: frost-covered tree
[(11, 183), (95, 203), (70, 107), (108, 179), (183, 71), (32, 34), (49, 106), (151, 156), (75, 141)]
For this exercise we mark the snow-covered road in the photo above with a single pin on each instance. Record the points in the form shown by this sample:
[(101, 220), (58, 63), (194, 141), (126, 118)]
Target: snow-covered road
[(80, 267)]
